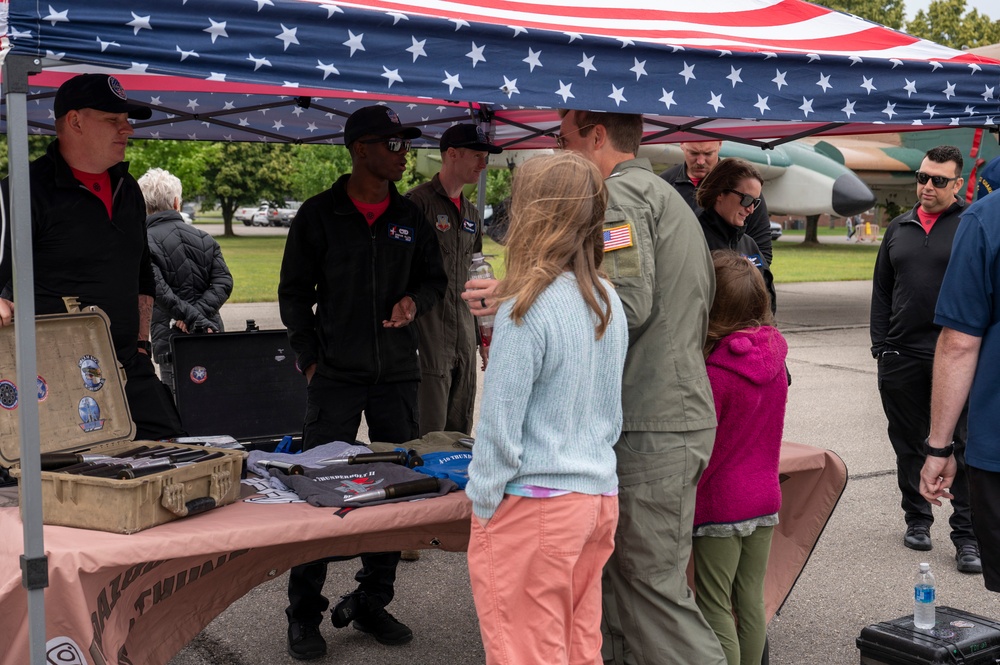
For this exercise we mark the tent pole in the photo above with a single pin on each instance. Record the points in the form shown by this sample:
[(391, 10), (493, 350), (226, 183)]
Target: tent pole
[(34, 563)]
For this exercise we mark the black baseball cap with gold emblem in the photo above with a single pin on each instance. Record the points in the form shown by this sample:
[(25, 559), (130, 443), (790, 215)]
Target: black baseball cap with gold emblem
[(101, 92)]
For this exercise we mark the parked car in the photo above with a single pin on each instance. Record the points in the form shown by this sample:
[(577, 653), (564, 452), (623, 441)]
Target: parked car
[(260, 216), (775, 231), (245, 214), (283, 216), (186, 217), (268, 215), (188, 209)]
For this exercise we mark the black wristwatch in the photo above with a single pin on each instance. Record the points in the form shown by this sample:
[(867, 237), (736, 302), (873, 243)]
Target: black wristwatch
[(947, 451), (145, 346)]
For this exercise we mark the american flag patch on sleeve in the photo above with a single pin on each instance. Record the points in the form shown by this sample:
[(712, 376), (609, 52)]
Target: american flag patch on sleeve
[(617, 237)]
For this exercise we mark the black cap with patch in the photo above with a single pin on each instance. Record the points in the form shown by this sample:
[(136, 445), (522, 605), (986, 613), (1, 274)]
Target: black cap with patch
[(100, 92), (376, 121), (468, 136)]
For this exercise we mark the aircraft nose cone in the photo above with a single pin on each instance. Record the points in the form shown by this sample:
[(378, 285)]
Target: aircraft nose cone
[(851, 195)]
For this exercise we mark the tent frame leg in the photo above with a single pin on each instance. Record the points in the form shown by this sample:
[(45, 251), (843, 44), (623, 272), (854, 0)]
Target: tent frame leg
[(34, 564)]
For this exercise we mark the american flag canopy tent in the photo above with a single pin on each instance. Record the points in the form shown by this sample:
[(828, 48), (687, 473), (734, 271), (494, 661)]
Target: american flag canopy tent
[(292, 70)]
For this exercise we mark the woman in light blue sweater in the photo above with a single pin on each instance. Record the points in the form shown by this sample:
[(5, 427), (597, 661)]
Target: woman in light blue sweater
[(542, 479)]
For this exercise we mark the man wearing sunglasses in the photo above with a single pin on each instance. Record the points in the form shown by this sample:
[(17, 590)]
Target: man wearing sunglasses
[(448, 337), (369, 263), (909, 270), (700, 157)]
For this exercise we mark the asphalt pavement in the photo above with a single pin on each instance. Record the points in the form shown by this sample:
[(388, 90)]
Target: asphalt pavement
[(859, 573)]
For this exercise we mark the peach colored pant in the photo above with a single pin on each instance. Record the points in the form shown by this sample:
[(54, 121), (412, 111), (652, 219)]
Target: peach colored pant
[(536, 578)]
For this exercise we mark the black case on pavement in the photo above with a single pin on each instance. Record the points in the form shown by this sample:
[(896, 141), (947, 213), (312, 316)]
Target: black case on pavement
[(957, 637), (244, 384)]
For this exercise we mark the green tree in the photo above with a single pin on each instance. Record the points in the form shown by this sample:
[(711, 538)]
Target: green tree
[(37, 145), (316, 168), (946, 22), (241, 173), (184, 159), (498, 185), (887, 12)]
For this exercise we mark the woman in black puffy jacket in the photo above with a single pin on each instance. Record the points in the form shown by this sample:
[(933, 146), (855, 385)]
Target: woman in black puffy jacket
[(192, 279)]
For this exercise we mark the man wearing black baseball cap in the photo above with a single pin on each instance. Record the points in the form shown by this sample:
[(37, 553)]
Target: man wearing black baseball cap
[(448, 336), (367, 261), (100, 92), (89, 236)]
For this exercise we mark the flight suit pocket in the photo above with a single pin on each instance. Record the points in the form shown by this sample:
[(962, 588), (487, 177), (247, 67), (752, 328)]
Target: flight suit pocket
[(621, 251)]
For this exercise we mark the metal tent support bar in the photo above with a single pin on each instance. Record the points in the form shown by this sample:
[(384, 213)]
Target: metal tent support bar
[(34, 564)]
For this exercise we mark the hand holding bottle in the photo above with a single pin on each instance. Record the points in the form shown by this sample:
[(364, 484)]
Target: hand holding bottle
[(478, 295)]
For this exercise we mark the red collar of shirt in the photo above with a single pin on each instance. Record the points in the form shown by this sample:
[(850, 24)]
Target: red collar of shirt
[(371, 211), (99, 184), (927, 219)]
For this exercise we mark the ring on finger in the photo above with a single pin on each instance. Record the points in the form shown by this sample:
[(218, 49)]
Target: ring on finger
[(483, 302)]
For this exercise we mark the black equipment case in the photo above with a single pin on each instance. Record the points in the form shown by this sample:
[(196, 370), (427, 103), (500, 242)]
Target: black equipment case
[(957, 637), (244, 384)]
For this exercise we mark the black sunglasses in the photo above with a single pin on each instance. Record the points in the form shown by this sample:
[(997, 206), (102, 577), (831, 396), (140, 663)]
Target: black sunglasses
[(939, 181), (393, 143), (746, 200)]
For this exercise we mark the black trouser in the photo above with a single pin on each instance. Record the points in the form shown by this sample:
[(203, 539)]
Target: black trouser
[(149, 401), (904, 383), (333, 413), (984, 489)]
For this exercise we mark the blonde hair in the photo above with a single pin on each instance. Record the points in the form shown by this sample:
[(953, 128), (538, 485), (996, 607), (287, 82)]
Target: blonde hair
[(556, 218), (741, 298)]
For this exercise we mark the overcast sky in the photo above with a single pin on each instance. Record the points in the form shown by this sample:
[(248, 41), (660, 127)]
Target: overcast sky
[(990, 8)]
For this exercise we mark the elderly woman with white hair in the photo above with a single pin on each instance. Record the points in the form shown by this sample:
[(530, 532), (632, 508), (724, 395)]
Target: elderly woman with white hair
[(192, 279)]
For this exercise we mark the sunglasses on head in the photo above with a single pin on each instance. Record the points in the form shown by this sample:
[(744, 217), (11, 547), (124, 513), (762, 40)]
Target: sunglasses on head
[(392, 144), (938, 181), (746, 200)]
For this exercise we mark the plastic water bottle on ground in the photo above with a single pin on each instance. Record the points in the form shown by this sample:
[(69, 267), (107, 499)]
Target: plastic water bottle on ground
[(481, 269), (923, 598)]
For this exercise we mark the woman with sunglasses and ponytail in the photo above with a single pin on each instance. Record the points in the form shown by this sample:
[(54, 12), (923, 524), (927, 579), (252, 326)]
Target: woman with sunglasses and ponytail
[(729, 194)]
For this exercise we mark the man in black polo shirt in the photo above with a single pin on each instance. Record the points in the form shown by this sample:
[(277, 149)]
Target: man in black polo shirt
[(88, 222)]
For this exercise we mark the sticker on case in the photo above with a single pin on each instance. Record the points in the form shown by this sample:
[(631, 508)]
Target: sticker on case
[(90, 415), (8, 394), (43, 389), (198, 374), (90, 370)]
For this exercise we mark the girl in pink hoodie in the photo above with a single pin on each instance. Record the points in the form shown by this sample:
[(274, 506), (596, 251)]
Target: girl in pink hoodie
[(738, 495)]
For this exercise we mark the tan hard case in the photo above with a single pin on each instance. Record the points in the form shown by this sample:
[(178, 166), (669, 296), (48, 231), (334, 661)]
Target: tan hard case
[(82, 407)]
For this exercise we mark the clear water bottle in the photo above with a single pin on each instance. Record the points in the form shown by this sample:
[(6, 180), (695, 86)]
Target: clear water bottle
[(923, 598), (481, 269)]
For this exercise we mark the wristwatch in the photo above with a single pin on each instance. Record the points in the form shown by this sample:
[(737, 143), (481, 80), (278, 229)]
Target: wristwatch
[(947, 451), (145, 346)]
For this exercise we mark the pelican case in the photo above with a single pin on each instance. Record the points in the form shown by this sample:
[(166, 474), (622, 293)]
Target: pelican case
[(82, 407), (957, 637), (244, 384)]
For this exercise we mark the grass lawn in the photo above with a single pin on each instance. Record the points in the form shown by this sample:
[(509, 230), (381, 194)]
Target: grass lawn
[(256, 260), (795, 262)]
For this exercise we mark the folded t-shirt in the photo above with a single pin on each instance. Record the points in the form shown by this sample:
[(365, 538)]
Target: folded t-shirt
[(454, 466), (330, 485)]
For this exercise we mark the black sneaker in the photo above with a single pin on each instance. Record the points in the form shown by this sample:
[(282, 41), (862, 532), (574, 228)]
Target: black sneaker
[(967, 559), (384, 627), (347, 609), (918, 537), (305, 642)]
